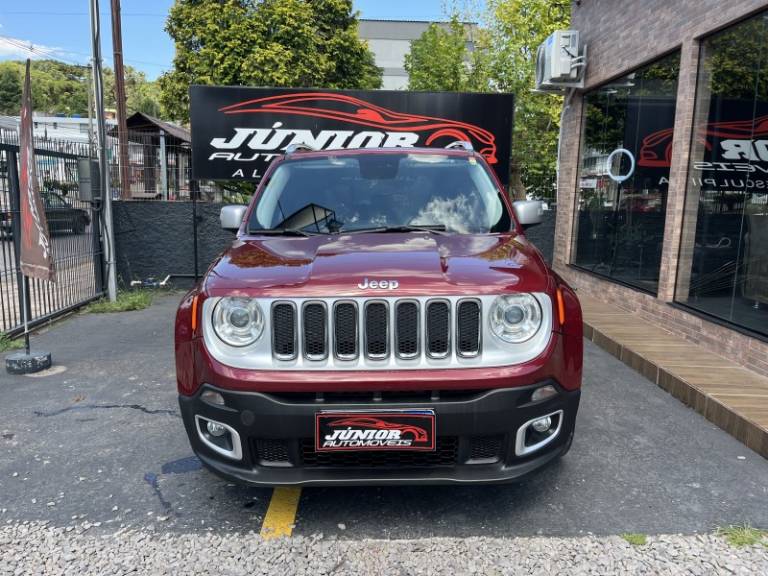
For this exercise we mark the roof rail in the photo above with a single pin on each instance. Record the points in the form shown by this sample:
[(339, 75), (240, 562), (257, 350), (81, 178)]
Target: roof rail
[(293, 148), (462, 144)]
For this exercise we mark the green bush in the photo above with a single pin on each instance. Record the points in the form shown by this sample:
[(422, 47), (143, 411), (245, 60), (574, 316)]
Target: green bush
[(126, 301)]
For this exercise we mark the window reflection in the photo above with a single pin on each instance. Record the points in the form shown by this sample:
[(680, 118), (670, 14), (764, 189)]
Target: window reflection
[(620, 224), (723, 267)]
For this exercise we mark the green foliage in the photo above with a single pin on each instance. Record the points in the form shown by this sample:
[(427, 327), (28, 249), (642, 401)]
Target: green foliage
[(608, 107), (57, 88), (60, 88), (735, 64), (10, 91), (517, 27), (126, 301), (440, 60), (7, 343), (284, 43), (504, 60), (141, 95), (743, 535), (636, 539)]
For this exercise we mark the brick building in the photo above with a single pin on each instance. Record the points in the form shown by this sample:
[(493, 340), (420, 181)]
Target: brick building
[(663, 186)]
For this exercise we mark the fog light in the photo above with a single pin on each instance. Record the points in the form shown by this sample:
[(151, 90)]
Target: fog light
[(216, 429), (543, 393), (541, 425), (212, 397)]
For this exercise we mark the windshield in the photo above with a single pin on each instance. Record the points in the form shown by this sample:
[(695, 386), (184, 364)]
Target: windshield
[(381, 191)]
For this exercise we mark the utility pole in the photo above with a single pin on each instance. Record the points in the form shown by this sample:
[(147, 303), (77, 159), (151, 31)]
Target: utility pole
[(101, 143), (122, 126)]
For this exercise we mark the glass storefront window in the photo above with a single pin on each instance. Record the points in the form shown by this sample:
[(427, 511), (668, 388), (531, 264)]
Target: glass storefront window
[(624, 174), (723, 265)]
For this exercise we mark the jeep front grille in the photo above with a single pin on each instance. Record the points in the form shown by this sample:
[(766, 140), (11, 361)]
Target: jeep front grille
[(383, 332), (389, 328)]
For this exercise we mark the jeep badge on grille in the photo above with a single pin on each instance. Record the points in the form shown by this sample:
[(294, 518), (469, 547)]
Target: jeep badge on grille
[(378, 284)]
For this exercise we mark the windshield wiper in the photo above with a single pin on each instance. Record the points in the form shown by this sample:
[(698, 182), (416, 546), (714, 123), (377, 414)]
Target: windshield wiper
[(282, 232), (433, 228)]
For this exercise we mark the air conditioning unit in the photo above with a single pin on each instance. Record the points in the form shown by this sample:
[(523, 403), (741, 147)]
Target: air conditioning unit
[(560, 62)]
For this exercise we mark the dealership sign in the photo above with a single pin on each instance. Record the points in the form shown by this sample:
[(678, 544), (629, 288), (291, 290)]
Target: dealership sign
[(734, 145), (236, 132)]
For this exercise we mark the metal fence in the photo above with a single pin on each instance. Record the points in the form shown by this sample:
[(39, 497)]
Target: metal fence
[(159, 168), (75, 235)]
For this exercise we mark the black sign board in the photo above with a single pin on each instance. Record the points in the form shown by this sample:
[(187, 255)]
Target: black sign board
[(730, 149), (236, 131)]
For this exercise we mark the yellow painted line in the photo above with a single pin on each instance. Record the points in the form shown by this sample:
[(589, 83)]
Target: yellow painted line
[(281, 513)]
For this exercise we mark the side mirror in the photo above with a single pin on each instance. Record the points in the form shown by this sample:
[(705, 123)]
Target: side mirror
[(232, 216), (528, 212)]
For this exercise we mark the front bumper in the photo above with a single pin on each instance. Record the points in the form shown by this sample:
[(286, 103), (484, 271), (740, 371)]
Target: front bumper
[(476, 436)]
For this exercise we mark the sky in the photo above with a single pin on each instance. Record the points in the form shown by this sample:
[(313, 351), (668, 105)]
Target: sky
[(61, 28)]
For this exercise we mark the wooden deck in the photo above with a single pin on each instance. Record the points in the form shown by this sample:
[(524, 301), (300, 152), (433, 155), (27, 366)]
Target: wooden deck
[(728, 395)]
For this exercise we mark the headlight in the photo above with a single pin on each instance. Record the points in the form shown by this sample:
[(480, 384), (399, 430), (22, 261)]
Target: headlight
[(238, 321), (515, 318)]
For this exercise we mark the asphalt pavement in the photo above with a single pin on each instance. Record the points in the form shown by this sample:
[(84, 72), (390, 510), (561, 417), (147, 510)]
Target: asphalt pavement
[(98, 440)]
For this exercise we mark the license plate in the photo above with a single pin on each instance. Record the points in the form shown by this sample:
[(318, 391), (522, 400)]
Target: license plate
[(337, 431)]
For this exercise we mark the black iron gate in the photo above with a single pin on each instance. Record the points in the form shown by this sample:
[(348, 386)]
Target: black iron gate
[(75, 235)]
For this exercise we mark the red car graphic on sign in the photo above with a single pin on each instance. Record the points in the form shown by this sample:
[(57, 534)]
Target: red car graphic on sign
[(656, 148), (419, 434), (352, 110)]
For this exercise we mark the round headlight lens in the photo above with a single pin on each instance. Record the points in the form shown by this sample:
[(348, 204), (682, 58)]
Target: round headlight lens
[(515, 318), (238, 321)]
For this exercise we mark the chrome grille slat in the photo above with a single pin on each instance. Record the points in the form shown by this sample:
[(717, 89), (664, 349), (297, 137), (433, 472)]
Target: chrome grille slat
[(284, 332), (345, 332), (438, 328), (315, 330), (376, 329), (468, 328), (407, 329)]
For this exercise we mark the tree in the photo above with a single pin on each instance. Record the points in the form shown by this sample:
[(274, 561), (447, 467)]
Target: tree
[(517, 28), (10, 91), (60, 88), (503, 59), (56, 87), (310, 43), (440, 60), (141, 95)]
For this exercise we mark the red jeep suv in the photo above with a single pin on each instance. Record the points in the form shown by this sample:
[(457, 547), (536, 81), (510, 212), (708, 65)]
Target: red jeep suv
[(380, 318)]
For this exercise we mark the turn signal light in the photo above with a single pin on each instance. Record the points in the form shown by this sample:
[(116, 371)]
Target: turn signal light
[(543, 393), (194, 314), (560, 307), (212, 397)]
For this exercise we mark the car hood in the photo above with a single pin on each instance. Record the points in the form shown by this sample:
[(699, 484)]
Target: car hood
[(336, 265)]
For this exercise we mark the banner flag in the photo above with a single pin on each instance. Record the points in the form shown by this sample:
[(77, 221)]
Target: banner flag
[(36, 259)]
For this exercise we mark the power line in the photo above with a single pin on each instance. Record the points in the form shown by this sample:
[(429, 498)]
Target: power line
[(44, 13), (55, 54), (36, 50)]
